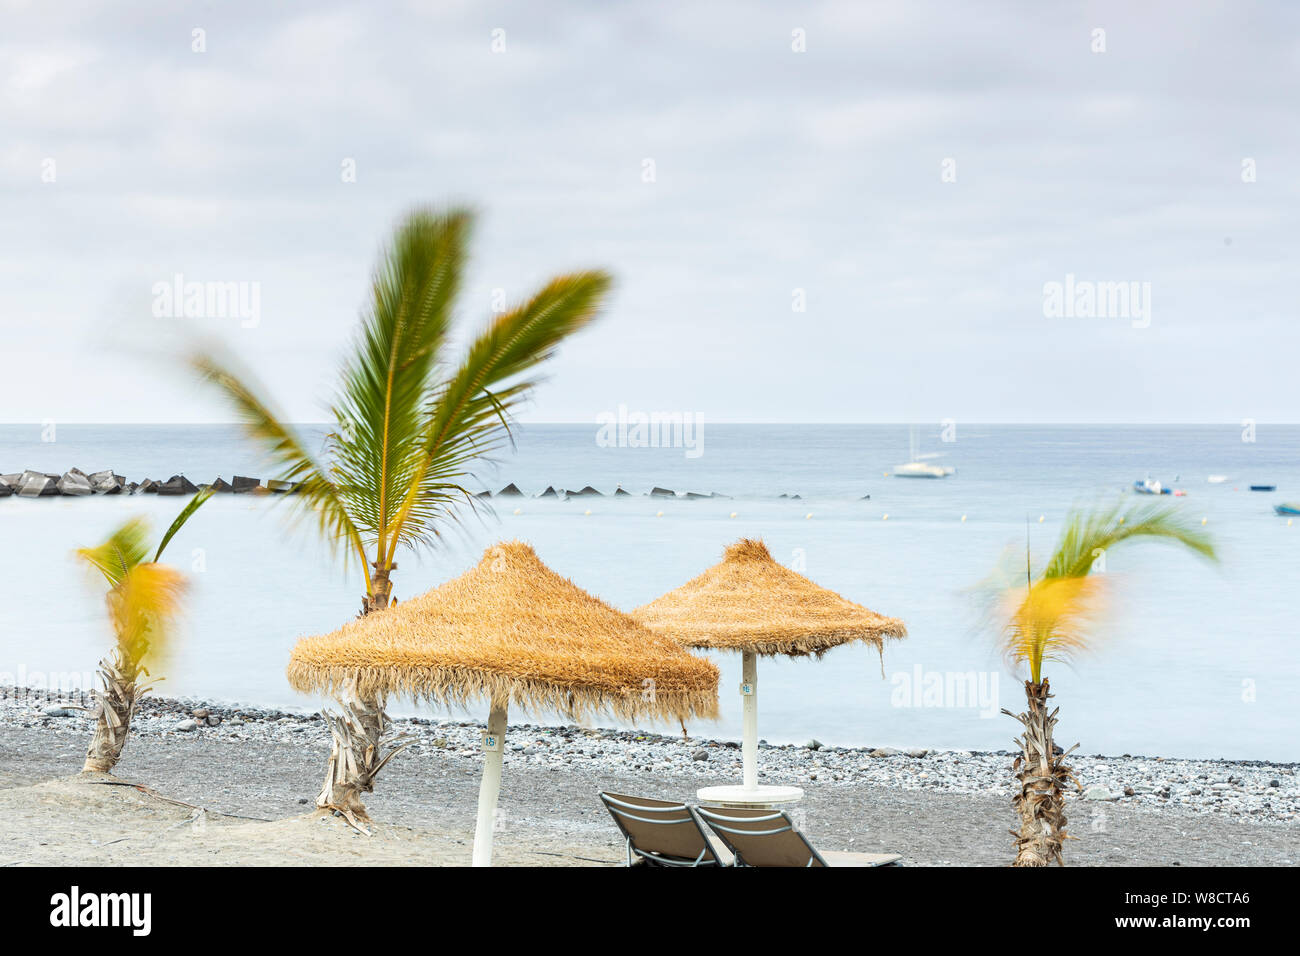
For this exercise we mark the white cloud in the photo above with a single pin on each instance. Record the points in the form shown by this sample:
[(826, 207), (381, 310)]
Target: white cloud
[(776, 170)]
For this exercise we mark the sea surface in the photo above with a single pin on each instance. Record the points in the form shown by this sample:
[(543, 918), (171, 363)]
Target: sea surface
[(1194, 660)]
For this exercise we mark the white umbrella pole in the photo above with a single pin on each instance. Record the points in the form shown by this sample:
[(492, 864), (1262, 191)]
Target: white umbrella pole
[(494, 743), (749, 692)]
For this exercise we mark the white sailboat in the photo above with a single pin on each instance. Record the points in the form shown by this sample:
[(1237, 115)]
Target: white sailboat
[(916, 468)]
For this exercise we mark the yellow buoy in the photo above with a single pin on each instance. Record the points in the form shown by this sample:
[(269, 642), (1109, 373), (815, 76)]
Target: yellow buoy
[(733, 514), (519, 511), (963, 517), (659, 514), (1040, 518), (1288, 522), (1204, 520), (884, 517), (587, 512), (807, 516)]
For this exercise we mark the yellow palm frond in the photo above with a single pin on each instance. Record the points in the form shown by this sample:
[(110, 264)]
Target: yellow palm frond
[(125, 548), (1053, 620), (1055, 617), (143, 608)]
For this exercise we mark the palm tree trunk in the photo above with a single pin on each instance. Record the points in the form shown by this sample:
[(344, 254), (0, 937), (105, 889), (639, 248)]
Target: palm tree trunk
[(381, 590), (1043, 776), (116, 706), (361, 747), (357, 749)]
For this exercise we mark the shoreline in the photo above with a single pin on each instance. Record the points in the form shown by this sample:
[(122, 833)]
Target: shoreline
[(1254, 792), (214, 801)]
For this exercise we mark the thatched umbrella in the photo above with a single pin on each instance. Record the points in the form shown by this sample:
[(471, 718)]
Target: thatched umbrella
[(514, 633), (749, 603)]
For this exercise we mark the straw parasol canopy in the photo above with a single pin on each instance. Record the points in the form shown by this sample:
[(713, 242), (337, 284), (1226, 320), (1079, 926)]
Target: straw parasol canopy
[(748, 602), (511, 630)]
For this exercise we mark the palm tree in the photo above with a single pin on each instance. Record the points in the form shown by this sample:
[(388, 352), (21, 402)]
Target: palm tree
[(410, 422), (1051, 618), (143, 599)]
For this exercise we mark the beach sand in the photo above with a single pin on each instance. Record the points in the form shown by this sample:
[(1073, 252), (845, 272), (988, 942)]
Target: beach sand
[(96, 819), (253, 792)]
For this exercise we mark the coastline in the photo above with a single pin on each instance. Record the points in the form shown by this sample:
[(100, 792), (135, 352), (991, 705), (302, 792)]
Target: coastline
[(261, 770)]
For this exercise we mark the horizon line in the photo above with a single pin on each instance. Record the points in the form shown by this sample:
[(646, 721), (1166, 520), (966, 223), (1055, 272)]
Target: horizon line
[(593, 422)]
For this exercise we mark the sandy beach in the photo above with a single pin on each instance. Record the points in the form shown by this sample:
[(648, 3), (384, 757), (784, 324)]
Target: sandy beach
[(242, 792)]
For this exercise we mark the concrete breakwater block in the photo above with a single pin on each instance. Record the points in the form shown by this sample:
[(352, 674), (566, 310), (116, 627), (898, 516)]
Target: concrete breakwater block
[(106, 482), (177, 485), (33, 484), (75, 484)]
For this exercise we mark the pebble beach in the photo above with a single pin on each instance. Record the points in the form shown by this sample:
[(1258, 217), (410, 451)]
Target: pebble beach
[(266, 764)]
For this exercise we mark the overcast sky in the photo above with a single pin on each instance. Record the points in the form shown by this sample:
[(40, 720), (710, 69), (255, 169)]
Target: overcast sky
[(774, 170)]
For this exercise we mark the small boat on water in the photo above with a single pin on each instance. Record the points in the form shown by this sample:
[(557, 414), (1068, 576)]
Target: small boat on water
[(916, 468), (1288, 508), (1152, 487), (1217, 479), (1148, 486), (1263, 487), (920, 469)]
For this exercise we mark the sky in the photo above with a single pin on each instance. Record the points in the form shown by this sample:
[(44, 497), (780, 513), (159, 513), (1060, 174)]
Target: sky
[(822, 212)]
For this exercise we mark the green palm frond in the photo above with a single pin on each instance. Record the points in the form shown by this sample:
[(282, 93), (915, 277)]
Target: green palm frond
[(383, 402), (144, 597), (1088, 534), (1054, 616), (125, 548), (317, 496), (470, 413), (411, 424), (186, 513)]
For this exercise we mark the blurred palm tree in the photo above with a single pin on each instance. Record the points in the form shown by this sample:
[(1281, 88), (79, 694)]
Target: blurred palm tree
[(410, 422), (144, 598), (1052, 617)]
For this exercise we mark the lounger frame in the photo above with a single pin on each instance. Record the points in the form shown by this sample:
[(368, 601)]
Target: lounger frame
[(621, 809), (717, 819)]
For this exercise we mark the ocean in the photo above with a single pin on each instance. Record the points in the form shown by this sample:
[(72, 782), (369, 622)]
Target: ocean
[(1195, 660)]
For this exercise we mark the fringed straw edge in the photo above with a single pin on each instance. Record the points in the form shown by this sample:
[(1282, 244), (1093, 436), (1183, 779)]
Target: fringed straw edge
[(804, 645), (457, 688)]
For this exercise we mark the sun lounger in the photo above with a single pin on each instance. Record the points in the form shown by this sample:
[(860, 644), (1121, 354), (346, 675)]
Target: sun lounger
[(661, 833), (769, 838)]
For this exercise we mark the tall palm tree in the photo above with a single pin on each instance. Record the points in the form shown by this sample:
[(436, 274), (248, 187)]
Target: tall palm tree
[(1052, 617), (410, 422), (143, 600)]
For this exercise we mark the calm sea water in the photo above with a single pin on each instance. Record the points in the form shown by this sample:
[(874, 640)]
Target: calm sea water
[(1197, 661)]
